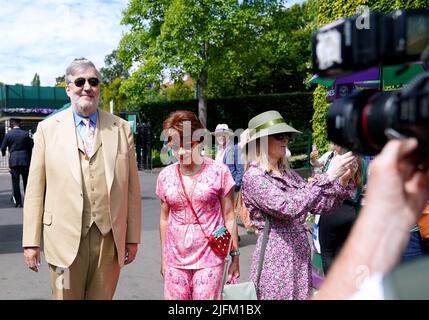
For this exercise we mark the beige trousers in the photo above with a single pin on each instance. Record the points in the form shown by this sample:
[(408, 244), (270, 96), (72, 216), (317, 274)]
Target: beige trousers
[(94, 273)]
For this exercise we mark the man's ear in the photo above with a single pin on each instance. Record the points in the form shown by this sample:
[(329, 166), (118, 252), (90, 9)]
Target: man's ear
[(67, 90)]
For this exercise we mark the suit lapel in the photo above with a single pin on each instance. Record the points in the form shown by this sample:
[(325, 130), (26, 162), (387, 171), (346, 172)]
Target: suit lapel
[(109, 140), (97, 139), (79, 142), (72, 151)]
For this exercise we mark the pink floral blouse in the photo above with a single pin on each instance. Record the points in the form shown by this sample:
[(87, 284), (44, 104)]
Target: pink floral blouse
[(185, 245)]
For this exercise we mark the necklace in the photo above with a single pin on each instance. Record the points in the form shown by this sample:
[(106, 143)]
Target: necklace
[(192, 172)]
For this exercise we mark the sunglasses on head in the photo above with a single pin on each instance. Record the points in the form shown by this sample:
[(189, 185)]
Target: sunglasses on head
[(93, 82), (282, 136)]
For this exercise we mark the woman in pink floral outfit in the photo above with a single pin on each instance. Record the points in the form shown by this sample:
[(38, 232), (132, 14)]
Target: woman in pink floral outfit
[(272, 190), (191, 269)]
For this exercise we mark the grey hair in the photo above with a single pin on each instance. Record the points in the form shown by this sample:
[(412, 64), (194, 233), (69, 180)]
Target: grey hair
[(80, 64)]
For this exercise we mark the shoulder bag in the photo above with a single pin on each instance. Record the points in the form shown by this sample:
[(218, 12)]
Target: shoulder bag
[(245, 290)]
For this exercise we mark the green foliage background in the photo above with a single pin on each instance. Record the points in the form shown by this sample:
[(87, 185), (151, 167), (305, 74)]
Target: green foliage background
[(296, 108)]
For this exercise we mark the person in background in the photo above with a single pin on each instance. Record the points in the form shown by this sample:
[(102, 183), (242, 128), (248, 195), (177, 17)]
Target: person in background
[(397, 193), (321, 162), (272, 191), (418, 244), (334, 228), (229, 153), (196, 195), (20, 147)]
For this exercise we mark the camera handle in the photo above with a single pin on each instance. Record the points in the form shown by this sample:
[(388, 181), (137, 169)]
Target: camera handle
[(393, 134)]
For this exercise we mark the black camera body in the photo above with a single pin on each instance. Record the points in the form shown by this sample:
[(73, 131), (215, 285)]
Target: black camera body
[(370, 39), (365, 120)]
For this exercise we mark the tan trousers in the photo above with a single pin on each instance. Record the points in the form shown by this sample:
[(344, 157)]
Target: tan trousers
[(94, 273)]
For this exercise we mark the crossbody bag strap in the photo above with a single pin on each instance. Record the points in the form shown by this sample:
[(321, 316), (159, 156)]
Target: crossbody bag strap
[(179, 174), (228, 258)]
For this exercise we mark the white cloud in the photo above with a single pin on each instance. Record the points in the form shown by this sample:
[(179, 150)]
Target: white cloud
[(43, 36)]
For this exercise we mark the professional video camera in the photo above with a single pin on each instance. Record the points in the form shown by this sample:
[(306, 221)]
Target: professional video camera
[(366, 119)]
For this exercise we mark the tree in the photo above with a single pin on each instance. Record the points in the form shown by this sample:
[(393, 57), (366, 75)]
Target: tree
[(200, 38), (111, 91), (179, 90), (112, 76), (113, 69), (36, 81), (60, 81), (279, 62)]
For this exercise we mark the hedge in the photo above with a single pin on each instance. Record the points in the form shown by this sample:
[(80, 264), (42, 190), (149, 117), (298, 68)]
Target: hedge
[(296, 108)]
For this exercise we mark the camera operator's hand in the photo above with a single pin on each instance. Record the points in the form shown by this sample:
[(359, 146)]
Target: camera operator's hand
[(395, 197), (339, 165)]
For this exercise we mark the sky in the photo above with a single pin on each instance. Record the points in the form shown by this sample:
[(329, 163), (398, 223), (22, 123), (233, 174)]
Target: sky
[(292, 2), (44, 36)]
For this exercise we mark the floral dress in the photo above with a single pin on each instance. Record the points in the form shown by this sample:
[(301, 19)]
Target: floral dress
[(286, 199)]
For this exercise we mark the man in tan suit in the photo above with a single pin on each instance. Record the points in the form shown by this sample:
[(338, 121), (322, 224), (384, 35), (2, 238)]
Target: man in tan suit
[(83, 192)]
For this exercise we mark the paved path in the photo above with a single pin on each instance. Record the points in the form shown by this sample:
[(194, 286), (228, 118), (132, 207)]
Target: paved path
[(140, 280)]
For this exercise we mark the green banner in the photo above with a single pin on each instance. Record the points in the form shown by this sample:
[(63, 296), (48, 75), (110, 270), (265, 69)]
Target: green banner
[(132, 119)]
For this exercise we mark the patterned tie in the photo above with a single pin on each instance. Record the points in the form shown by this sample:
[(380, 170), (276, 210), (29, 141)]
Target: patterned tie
[(88, 140)]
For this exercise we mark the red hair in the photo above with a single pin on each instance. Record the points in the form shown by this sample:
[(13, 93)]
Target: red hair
[(175, 121)]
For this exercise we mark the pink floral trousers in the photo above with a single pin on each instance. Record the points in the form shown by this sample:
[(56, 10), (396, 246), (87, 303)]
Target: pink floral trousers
[(193, 284)]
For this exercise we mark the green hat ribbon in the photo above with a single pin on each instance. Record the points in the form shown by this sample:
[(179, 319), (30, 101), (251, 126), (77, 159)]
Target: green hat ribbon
[(269, 124)]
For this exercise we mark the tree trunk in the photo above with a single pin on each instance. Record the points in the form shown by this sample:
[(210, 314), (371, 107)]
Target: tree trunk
[(202, 98)]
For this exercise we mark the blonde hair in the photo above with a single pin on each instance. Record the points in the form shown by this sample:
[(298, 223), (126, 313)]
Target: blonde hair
[(358, 176), (257, 151)]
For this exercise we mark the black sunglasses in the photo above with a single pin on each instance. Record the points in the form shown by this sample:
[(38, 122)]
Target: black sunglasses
[(281, 136), (93, 82)]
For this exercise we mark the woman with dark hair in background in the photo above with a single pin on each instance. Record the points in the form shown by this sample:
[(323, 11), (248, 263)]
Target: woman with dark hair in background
[(334, 228)]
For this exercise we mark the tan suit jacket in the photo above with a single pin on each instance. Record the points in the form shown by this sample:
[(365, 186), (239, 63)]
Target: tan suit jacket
[(54, 197)]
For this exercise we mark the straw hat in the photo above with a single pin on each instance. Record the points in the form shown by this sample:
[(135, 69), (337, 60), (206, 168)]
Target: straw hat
[(268, 123), (222, 129)]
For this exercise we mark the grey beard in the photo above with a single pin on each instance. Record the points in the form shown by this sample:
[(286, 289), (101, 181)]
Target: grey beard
[(87, 109)]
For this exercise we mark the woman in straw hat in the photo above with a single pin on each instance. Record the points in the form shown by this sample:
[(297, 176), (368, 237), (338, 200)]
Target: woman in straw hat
[(271, 190)]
